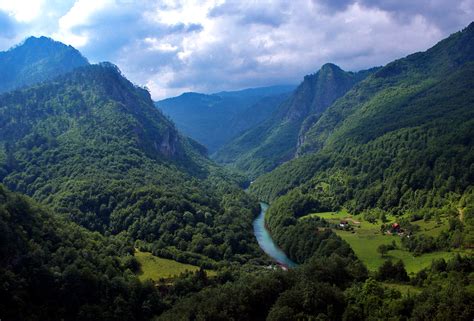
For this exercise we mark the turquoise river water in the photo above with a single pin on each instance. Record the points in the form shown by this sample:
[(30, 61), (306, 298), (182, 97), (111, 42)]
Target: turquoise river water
[(265, 240)]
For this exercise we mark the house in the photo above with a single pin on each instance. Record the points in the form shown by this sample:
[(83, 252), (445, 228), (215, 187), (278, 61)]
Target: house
[(343, 224), (395, 228)]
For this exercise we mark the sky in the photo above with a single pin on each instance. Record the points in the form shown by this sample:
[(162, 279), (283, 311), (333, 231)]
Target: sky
[(212, 45)]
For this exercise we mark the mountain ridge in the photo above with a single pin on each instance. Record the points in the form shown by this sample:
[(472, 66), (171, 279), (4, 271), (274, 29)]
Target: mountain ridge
[(275, 141), (214, 119), (393, 114), (444, 57)]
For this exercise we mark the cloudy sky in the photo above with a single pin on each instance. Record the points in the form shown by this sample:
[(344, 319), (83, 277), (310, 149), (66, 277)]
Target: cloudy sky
[(213, 45)]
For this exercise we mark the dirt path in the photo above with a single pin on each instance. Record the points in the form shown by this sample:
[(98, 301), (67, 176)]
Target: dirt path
[(351, 220)]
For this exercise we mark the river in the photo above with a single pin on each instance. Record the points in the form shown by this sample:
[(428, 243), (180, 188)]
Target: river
[(265, 240)]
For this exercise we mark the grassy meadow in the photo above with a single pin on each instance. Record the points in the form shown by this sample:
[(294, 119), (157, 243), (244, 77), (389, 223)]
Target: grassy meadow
[(366, 238), (156, 268)]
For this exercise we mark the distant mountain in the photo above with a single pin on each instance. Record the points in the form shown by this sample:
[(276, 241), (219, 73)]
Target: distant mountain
[(92, 146), (214, 119), (36, 60), (401, 140), (274, 141)]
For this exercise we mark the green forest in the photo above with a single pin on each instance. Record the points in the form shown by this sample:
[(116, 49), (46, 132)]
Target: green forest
[(53, 269), (73, 152)]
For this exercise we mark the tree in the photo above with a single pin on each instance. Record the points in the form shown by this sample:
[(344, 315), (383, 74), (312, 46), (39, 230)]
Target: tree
[(383, 249), (393, 272)]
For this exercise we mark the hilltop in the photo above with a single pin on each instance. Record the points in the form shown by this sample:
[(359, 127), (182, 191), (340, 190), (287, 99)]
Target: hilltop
[(36, 60)]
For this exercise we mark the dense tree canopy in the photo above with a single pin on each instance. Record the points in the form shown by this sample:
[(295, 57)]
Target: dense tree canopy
[(51, 269)]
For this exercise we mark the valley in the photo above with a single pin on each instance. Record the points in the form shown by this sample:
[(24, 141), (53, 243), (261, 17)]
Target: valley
[(214, 120), (347, 197)]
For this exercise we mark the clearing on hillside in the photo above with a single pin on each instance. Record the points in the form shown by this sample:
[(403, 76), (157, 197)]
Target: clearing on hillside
[(156, 268)]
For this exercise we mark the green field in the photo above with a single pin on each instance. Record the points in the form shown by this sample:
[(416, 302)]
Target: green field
[(365, 247), (366, 238), (156, 268), (328, 215), (405, 289), (432, 228)]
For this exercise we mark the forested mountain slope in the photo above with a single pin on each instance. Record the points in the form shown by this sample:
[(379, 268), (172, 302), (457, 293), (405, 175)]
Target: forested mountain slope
[(54, 270), (274, 141), (36, 60), (381, 100), (93, 146), (401, 138), (400, 142), (214, 119)]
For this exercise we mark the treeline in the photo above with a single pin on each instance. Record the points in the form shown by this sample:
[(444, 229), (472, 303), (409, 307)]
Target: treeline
[(303, 293), (303, 239), (460, 232), (336, 288)]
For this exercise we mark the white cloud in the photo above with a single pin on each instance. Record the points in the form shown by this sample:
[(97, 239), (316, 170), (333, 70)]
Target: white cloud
[(211, 45), (79, 15), (159, 45), (22, 10)]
